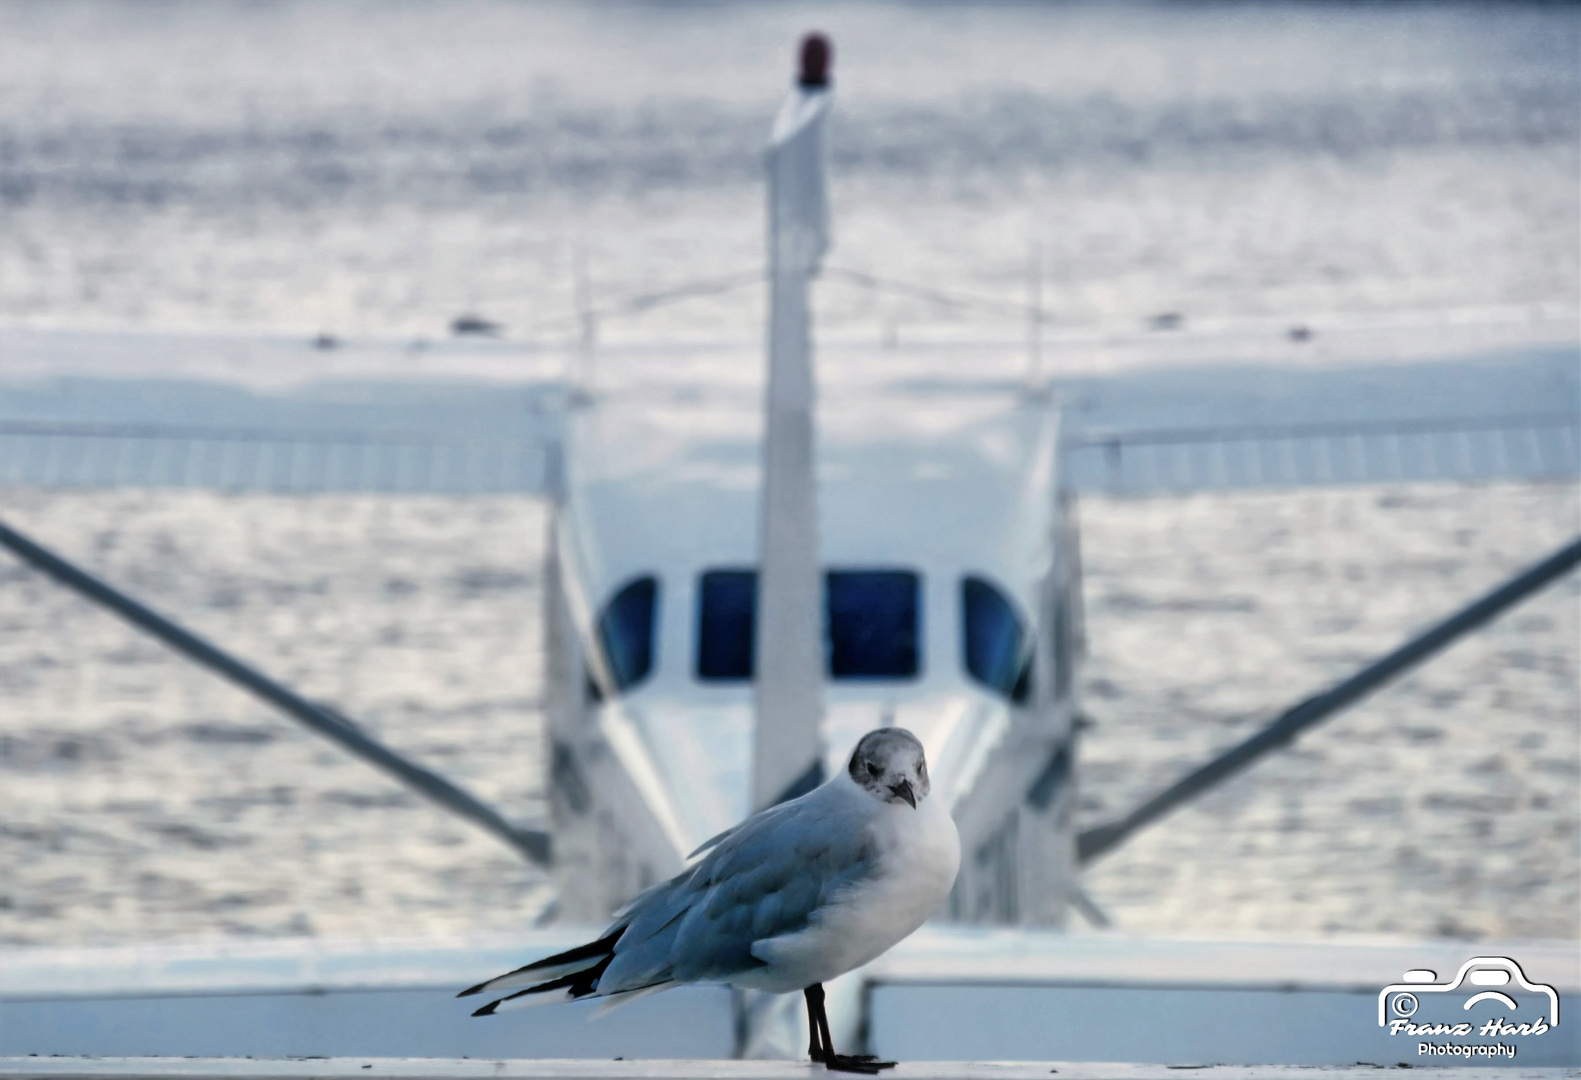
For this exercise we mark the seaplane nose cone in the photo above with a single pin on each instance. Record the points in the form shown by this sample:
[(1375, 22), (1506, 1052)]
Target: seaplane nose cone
[(815, 55)]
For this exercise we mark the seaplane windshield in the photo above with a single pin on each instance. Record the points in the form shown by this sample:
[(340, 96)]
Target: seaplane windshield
[(626, 631), (872, 624), (995, 640), (726, 614)]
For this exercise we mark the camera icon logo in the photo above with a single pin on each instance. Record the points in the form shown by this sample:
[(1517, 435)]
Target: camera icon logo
[(1400, 1000)]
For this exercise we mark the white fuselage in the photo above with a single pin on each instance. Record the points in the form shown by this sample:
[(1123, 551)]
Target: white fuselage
[(939, 488)]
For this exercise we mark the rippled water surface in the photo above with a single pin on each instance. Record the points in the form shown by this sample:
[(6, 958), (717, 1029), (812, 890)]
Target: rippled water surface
[(359, 167), (366, 167), (141, 799)]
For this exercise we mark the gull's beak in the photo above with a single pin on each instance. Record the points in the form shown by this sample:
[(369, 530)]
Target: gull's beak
[(903, 789)]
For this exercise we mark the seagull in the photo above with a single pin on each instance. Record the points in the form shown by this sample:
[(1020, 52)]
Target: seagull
[(792, 897)]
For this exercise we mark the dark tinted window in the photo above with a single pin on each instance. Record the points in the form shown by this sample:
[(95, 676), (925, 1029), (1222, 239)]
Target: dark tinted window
[(998, 649), (726, 607), (871, 621), (625, 630)]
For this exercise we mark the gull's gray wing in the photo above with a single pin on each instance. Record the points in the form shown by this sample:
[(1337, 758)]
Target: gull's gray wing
[(712, 841), (755, 819), (767, 877)]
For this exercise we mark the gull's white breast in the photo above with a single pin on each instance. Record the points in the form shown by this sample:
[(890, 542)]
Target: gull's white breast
[(919, 852)]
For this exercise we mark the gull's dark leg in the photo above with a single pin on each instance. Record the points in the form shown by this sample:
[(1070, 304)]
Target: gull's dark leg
[(822, 1043), (815, 1047)]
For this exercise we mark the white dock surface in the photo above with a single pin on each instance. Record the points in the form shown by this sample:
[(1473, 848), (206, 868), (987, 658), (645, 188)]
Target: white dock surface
[(61, 1068)]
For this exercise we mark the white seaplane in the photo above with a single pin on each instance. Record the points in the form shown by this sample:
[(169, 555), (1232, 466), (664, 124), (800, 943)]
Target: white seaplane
[(735, 594)]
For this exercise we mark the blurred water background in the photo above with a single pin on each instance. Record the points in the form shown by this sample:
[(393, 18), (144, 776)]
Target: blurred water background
[(379, 167), (357, 168)]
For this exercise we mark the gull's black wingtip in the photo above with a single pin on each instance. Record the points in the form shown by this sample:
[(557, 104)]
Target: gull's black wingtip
[(487, 1010), (478, 989)]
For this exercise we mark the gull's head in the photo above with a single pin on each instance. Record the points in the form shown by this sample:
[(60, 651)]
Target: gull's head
[(888, 765)]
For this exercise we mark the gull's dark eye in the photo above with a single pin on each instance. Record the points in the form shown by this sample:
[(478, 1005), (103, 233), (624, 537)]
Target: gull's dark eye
[(874, 770)]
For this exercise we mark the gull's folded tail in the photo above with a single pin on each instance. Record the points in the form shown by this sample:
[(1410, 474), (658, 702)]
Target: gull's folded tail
[(553, 969), (578, 984), (563, 991)]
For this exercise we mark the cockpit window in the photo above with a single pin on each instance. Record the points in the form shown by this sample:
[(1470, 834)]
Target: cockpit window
[(997, 646), (871, 624), (726, 610), (625, 630)]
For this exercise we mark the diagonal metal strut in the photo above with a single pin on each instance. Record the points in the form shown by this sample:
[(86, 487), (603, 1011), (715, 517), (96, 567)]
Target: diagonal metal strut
[(532, 843), (1103, 838)]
